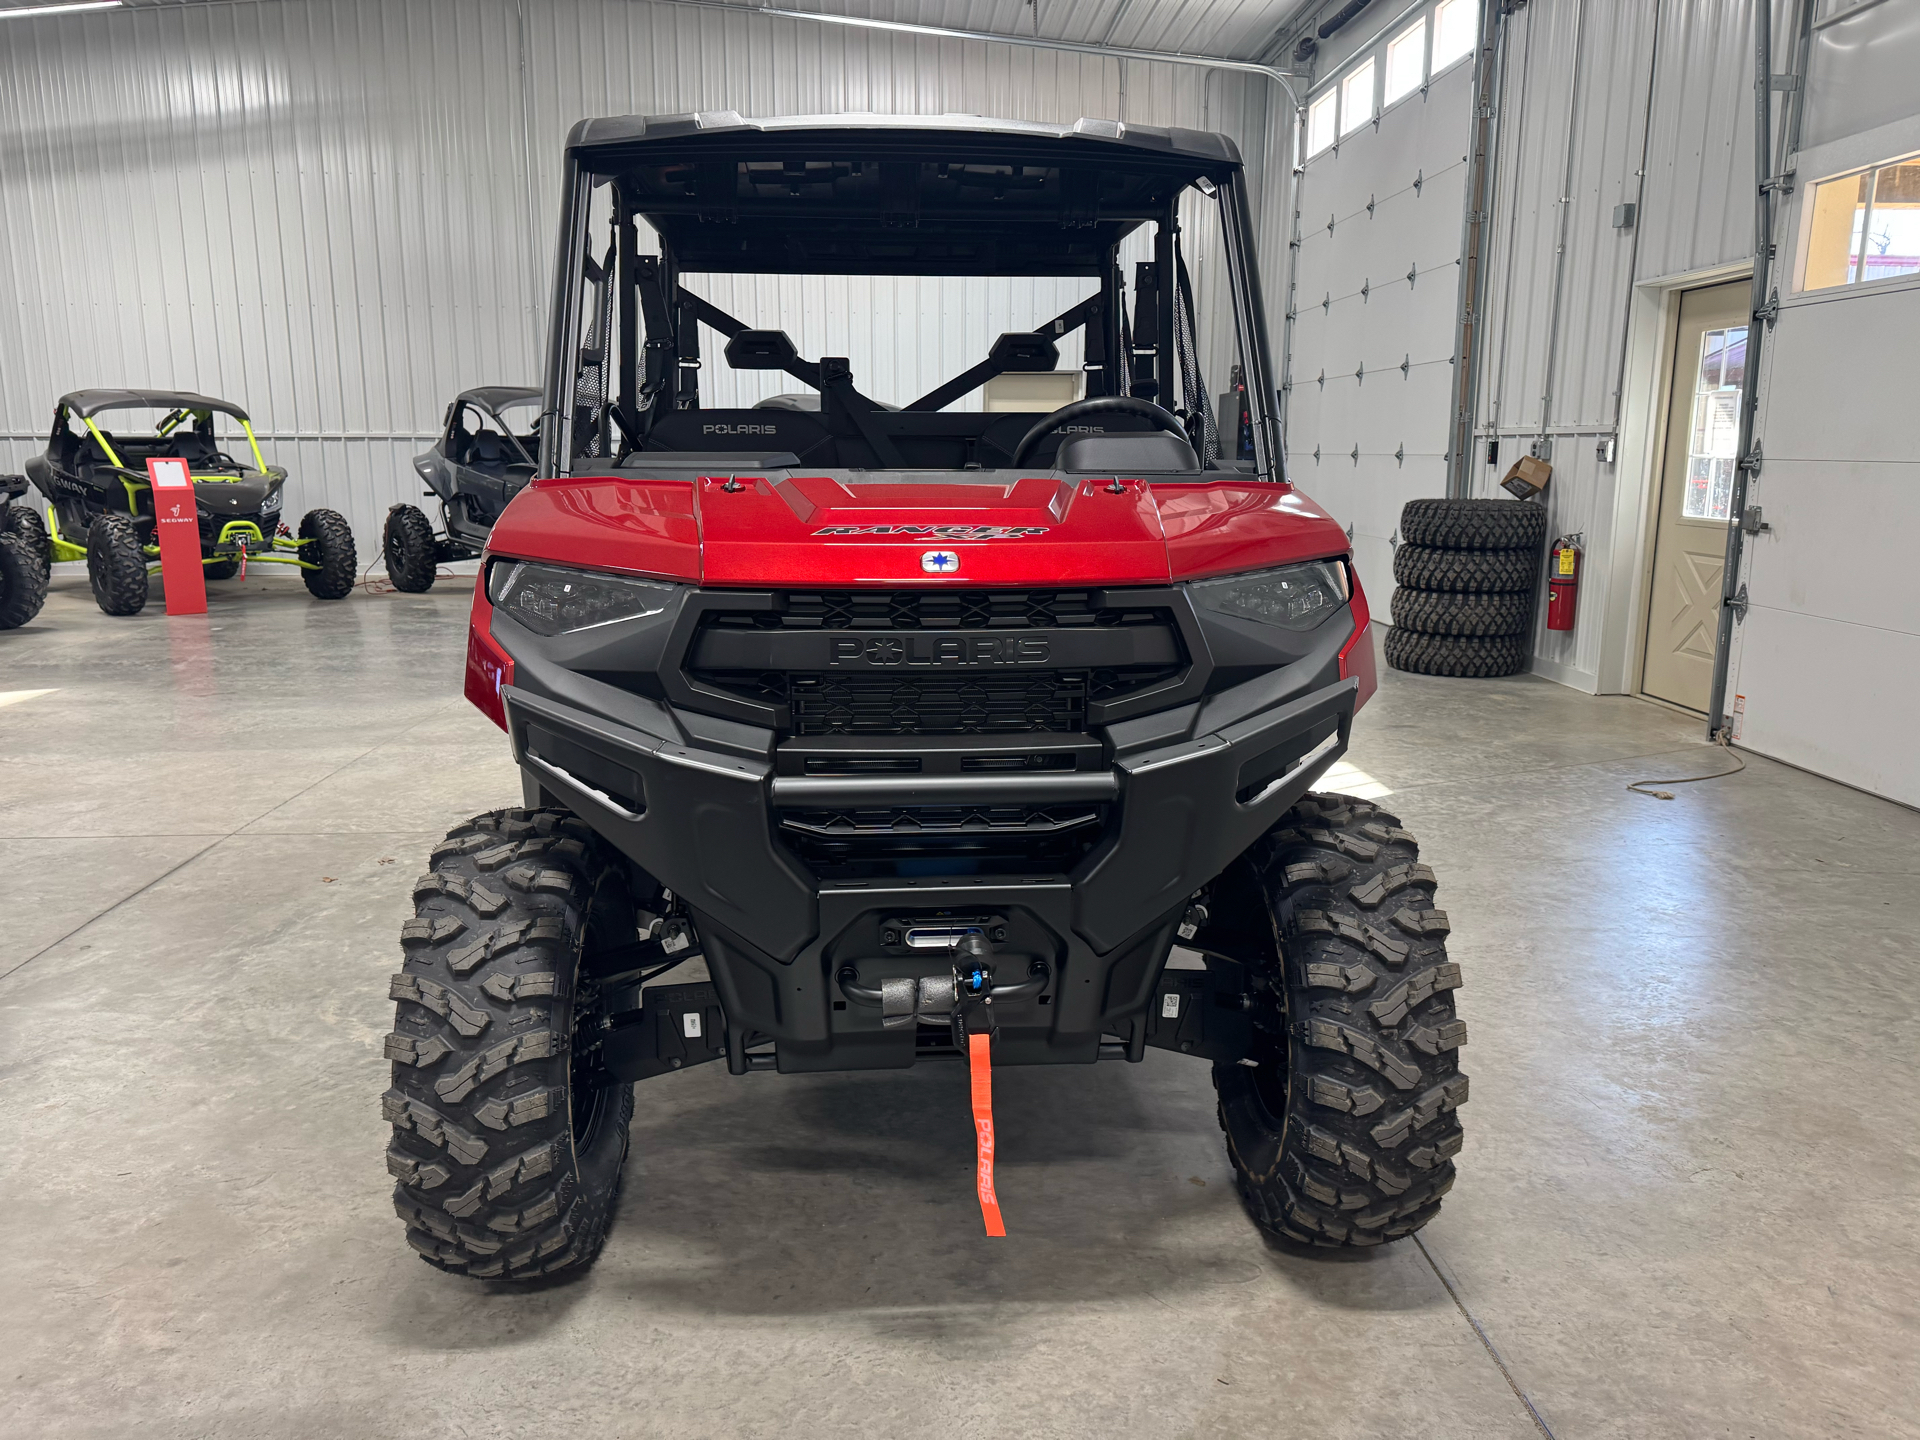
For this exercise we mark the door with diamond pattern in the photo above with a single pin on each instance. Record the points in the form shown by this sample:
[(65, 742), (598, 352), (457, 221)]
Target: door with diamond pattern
[(1697, 484)]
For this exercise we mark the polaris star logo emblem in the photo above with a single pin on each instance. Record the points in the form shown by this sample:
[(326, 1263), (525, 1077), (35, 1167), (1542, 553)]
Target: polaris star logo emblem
[(939, 562)]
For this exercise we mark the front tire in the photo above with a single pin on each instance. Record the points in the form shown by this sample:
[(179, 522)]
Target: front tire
[(331, 548), (1342, 1129), (25, 525), (23, 583), (508, 1164), (116, 565), (412, 560)]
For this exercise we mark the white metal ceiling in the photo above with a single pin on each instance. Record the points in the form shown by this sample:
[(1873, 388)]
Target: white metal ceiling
[(1234, 29)]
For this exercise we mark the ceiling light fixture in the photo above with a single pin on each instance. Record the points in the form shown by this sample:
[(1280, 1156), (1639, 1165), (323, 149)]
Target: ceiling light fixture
[(22, 12)]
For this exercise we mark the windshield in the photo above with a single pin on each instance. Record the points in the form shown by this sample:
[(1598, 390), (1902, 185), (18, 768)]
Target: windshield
[(840, 313)]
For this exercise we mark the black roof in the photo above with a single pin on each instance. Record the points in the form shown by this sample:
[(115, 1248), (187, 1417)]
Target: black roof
[(896, 194), (85, 403), (624, 130), (500, 397)]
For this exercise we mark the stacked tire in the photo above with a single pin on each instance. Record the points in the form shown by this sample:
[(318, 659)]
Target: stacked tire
[(1465, 576)]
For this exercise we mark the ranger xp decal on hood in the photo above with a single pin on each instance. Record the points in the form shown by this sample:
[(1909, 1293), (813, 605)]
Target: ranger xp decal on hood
[(941, 532)]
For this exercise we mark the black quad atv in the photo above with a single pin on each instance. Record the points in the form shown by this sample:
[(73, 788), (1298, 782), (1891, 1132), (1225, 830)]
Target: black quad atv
[(26, 556), (479, 464), (932, 731), (100, 502)]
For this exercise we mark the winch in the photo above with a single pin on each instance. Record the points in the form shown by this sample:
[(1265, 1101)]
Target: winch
[(962, 999)]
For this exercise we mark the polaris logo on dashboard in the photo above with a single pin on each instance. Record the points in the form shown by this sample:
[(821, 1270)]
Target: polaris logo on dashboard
[(928, 652), (738, 430), (941, 532)]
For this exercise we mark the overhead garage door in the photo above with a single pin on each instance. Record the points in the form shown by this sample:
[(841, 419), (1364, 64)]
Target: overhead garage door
[(1370, 356)]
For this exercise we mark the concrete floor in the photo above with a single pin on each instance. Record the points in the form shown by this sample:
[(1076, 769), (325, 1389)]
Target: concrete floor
[(1687, 1202)]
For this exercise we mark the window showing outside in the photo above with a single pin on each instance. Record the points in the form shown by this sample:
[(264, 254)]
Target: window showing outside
[(1320, 124), (1865, 227), (1454, 26), (1406, 53), (1716, 424), (1357, 99)]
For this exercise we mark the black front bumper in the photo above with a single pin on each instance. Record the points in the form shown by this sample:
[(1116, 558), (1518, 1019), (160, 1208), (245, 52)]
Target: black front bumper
[(777, 940)]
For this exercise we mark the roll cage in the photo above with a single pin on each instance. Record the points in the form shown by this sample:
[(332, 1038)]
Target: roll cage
[(491, 403), (846, 195), (185, 432)]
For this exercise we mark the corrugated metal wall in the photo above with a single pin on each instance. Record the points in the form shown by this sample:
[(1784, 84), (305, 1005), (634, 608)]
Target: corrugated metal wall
[(318, 210), (1377, 276), (1575, 111), (340, 212)]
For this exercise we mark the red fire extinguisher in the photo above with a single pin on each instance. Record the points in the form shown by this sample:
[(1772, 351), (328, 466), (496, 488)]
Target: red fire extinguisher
[(1563, 576)]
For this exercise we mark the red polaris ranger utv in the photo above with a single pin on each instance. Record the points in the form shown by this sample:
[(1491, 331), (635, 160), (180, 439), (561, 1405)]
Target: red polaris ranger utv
[(930, 693)]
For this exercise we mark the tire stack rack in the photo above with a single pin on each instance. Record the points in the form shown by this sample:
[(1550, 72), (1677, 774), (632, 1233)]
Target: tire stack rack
[(1465, 577)]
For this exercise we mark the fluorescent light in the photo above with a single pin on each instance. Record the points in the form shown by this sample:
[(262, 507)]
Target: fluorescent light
[(67, 9)]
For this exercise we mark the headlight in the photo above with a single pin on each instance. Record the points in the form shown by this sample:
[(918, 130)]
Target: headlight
[(1295, 597), (552, 600), (270, 504)]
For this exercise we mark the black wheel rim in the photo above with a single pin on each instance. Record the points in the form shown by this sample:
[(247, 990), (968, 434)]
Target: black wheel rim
[(589, 1103)]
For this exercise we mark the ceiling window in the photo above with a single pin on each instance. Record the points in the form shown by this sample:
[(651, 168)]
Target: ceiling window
[(1320, 123), (1406, 58), (1455, 22), (1357, 98)]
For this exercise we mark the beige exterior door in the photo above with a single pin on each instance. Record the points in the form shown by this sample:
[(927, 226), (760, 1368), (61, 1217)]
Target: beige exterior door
[(1697, 485)]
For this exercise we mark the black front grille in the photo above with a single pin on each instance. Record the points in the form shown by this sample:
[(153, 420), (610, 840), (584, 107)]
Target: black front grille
[(937, 701), (827, 705), (848, 822), (886, 841)]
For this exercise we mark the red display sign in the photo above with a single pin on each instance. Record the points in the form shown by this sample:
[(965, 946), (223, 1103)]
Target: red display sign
[(177, 532)]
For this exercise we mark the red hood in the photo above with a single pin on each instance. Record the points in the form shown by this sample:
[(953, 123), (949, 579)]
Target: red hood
[(819, 531)]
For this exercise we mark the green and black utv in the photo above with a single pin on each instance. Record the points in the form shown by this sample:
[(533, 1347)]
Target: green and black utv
[(100, 501)]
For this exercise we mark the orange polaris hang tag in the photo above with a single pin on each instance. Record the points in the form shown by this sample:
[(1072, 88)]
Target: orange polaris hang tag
[(982, 1074), (177, 533)]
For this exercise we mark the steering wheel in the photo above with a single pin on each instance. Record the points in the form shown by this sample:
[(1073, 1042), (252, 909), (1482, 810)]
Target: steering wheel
[(1101, 405)]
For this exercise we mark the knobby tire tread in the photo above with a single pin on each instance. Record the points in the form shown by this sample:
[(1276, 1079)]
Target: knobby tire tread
[(339, 566), (408, 544), (1466, 656), (1422, 567), (116, 566), (1451, 612), (1342, 1133), (23, 582), (491, 1181), (1474, 524)]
